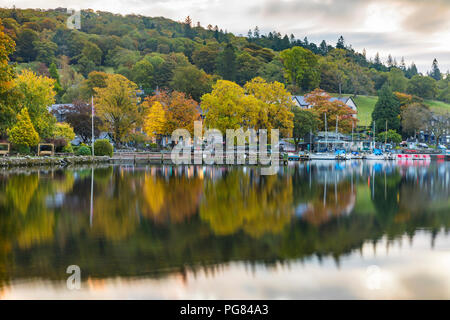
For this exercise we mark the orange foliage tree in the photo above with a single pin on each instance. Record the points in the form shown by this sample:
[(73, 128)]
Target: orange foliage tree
[(321, 104), (180, 111)]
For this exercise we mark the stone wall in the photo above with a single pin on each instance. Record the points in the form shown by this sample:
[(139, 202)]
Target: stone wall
[(50, 161)]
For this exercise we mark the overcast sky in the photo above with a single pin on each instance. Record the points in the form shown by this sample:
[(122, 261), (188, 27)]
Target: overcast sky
[(419, 30)]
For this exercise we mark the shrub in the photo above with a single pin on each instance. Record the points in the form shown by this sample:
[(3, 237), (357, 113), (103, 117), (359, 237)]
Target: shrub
[(22, 149), (83, 151), (23, 132), (68, 149), (103, 147)]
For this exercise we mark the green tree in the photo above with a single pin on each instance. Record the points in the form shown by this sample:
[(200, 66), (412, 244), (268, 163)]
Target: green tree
[(414, 118), (26, 50), (226, 63), (205, 58), (192, 81), (397, 81), (422, 86), (435, 72), (304, 122), (247, 67), (143, 75), (301, 67), (387, 109), (55, 75), (45, 51), (390, 136), (92, 53), (23, 132)]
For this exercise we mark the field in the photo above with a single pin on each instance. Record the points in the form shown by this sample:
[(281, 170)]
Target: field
[(366, 104)]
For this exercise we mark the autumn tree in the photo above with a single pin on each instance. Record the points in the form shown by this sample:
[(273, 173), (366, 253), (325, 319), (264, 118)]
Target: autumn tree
[(7, 112), (23, 132), (180, 111), (155, 120), (335, 110), (276, 105), (63, 131), (37, 94), (229, 107), (116, 105)]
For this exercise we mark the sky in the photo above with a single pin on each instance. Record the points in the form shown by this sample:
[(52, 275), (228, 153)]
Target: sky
[(419, 30)]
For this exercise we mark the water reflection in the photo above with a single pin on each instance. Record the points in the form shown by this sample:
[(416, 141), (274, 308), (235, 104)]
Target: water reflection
[(160, 222)]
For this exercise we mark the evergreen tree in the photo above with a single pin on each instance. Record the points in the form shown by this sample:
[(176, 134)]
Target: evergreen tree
[(403, 65), (411, 71), (23, 132), (340, 44), (226, 63), (435, 72), (323, 48), (55, 75), (256, 33), (377, 62), (387, 109)]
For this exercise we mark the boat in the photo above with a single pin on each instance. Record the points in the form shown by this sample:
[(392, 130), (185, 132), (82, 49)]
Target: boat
[(322, 156), (377, 154), (356, 156), (341, 155)]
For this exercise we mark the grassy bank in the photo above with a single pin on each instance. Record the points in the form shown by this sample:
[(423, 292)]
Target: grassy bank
[(366, 104)]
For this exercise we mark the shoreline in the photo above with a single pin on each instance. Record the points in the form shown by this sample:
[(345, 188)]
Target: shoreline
[(27, 161)]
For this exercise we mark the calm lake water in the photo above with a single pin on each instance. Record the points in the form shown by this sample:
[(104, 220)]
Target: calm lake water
[(347, 230)]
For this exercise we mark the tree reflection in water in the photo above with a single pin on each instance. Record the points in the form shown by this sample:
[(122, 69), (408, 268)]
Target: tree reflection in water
[(161, 219)]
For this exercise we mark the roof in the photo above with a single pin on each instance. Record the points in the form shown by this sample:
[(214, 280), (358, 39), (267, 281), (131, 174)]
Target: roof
[(342, 99), (59, 108), (301, 100)]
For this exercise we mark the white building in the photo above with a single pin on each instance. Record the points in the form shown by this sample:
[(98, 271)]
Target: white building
[(301, 102)]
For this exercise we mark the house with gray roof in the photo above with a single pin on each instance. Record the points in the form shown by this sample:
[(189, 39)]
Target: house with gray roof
[(300, 102)]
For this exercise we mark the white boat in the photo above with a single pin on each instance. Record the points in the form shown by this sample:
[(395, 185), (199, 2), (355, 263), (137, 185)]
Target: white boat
[(374, 156), (322, 156)]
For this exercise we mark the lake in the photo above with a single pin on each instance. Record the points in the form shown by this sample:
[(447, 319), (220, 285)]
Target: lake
[(315, 230)]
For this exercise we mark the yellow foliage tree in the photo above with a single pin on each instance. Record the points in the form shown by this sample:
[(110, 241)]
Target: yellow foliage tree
[(154, 123), (23, 132), (64, 131), (228, 107), (116, 105), (36, 93), (276, 105)]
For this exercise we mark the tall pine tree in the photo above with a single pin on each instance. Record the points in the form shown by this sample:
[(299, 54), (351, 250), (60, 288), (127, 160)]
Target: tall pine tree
[(435, 72), (387, 109)]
